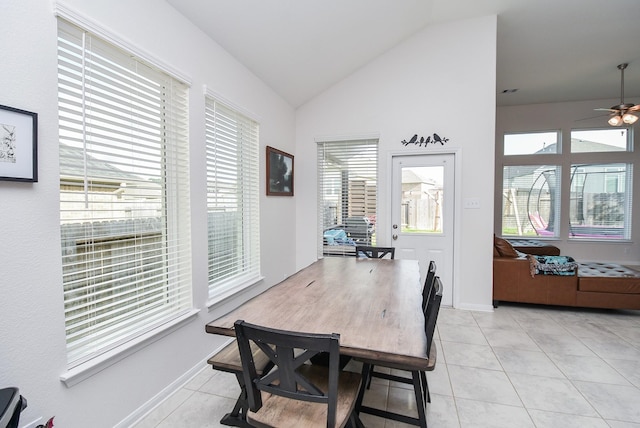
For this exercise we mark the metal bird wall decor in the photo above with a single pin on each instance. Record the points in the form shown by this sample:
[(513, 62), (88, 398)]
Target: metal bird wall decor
[(431, 139)]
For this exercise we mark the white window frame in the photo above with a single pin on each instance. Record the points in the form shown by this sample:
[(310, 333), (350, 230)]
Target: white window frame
[(233, 198), (109, 151), (566, 159)]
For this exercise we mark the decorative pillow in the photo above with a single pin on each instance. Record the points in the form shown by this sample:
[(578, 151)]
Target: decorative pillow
[(495, 252), (505, 249)]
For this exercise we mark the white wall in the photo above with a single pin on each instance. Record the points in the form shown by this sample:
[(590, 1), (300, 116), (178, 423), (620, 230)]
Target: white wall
[(32, 338), (565, 117), (440, 80)]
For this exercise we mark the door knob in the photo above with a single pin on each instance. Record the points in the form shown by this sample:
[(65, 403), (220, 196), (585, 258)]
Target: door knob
[(395, 237)]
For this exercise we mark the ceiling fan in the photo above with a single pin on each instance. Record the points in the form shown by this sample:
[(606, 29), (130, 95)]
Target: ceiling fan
[(622, 113)]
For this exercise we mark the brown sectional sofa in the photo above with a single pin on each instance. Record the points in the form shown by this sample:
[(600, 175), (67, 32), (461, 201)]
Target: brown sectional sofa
[(595, 285)]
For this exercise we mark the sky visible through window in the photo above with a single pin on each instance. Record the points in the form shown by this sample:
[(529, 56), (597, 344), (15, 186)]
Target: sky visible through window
[(533, 142)]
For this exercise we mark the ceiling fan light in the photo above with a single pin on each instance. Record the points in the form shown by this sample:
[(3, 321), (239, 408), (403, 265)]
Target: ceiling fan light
[(615, 120), (629, 118)]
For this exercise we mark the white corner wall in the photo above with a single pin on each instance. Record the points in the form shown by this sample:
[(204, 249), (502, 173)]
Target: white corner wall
[(440, 80), (32, 337)]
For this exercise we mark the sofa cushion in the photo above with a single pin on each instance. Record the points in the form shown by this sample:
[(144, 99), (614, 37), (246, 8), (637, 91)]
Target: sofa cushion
[(531, 246), (505, 249), (608, 278)]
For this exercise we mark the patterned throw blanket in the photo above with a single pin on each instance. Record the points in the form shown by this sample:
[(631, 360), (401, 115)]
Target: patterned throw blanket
[(552, 265)]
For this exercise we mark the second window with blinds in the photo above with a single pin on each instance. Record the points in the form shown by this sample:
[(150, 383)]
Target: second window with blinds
[(347, 195), (233, 211)]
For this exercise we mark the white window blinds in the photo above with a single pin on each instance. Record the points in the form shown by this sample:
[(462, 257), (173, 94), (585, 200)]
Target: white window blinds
[(347, 195), (124, 194), (232, 199)]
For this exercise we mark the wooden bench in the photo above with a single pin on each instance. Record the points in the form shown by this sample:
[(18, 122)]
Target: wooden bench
[(228, 360)]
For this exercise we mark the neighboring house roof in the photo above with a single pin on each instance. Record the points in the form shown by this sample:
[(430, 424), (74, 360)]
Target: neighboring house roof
[(586, 146), (410, 176), (579, 146), (72, 160)]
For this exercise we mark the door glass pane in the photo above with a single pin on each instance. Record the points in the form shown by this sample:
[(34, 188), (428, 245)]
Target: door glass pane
[(530, 200), (422, 196)]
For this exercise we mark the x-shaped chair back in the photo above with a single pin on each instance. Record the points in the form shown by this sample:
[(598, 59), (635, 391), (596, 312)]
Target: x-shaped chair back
[(375, 252), (288, 351)]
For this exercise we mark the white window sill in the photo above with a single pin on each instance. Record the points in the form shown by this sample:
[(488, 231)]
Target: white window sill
[(233, 293), (96, 365)]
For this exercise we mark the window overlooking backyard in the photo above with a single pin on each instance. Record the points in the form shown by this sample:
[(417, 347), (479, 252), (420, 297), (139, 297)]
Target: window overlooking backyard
[(597, 203), (599, 206), (530, 200), (600, 140), (124, 195), (233, 209), (347, 195), (531, 143)]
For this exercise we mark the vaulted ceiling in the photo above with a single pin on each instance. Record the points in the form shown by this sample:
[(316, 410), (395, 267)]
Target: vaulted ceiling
[(550, 50)]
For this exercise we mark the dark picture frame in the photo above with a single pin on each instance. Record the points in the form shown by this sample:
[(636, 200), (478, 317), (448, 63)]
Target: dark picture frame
[(280, 170), (18, 145)]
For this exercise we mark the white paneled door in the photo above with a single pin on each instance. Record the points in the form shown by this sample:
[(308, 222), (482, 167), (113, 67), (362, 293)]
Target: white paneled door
[(422, 218)]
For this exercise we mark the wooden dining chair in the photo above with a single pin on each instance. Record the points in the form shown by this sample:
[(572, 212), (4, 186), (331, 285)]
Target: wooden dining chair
[(228, 360), (418, 377), (375, 252), (295, 393), (429, 284)]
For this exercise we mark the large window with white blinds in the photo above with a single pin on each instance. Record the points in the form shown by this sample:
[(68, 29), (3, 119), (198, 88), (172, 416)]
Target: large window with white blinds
[(233, 209), (347, 195), (124, 194), (595, 205)]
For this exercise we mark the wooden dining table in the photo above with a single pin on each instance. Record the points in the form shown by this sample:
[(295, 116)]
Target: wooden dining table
[(374, 304)]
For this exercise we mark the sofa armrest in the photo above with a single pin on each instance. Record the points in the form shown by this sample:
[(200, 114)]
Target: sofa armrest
[(507, 273)]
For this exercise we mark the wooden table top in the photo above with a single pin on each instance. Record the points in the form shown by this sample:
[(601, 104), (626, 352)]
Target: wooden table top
[(374, 304)]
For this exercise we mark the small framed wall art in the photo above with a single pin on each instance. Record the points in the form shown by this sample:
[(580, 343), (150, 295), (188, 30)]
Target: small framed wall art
[(279, 173), (18, 145)]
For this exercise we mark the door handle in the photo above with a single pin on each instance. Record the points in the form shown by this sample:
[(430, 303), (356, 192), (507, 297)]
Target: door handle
[(394, 237)]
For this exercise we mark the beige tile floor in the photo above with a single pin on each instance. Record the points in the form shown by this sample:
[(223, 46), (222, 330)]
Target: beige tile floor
[(520, 366)]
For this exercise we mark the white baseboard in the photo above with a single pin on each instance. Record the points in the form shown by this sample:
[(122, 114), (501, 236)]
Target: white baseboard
[(33, 424), (172, 388), (154, 402), (478, 308)]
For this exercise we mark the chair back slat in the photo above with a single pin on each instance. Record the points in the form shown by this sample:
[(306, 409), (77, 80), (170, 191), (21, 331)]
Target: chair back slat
[(373, 252), (431, 312), (427, 290)]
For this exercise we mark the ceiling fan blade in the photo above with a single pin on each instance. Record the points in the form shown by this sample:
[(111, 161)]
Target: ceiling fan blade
[(634, 108), (606, 109)]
